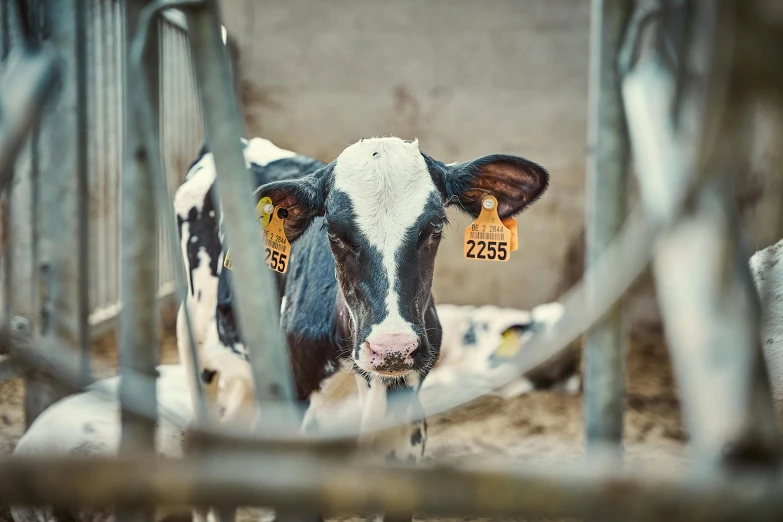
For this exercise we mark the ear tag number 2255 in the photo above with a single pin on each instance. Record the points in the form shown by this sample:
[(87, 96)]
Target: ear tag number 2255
[(276, 245), (487, 238)]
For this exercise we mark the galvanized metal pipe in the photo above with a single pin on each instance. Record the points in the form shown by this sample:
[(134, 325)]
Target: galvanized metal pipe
[(607, 193), (27, 82), (256, 295), (142, 104), (711, 312), (331, 486), (692, 136), (63, 323), (139, 315)]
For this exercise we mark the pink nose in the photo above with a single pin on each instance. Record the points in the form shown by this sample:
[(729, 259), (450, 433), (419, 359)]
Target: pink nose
[(391, 353), (399, 345)]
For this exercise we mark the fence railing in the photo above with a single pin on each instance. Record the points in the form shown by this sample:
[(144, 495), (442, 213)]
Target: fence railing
[(181, 132)]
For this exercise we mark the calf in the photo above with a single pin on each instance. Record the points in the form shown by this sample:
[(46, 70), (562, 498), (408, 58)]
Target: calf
[(767, 270), (88, 425), (364, 230), (474, 338)]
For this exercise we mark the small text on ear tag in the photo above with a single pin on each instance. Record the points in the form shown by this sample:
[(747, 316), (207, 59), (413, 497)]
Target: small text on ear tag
[(487, 238), (264, 209), (276, 245), (511, 224)]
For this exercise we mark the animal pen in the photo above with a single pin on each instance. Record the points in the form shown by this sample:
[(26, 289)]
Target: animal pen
[(670, 84)]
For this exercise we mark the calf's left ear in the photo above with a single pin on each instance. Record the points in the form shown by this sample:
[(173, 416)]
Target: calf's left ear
[(515, 182), (303, 198)]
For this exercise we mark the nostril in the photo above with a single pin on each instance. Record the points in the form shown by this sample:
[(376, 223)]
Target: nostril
[(393, 344)]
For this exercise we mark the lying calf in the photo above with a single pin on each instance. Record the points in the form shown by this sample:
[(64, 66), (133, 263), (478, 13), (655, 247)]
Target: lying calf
[(89, 425), (479, 340), (767, 270)]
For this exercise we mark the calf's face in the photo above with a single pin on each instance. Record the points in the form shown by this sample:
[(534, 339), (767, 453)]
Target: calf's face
[(384, 207)]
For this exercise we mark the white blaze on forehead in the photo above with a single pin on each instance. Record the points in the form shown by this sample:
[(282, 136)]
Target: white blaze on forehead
[(388, 184)]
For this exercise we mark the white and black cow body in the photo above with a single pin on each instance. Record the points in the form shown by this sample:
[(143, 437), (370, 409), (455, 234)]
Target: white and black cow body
[(364, 230)]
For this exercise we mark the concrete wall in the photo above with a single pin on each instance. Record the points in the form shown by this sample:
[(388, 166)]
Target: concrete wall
[(468, 78)]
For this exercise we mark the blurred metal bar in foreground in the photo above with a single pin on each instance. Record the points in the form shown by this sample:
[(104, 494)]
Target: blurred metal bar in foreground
[(685, 115), (256, 294), (63, 203), (331, 486), (607, 194), (139, 315)]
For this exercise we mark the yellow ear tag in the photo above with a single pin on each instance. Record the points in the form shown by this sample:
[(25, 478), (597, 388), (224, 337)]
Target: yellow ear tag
[(276, 245), (510, 344), (487, 238), (511, 224), (263, 221), (263, 217)]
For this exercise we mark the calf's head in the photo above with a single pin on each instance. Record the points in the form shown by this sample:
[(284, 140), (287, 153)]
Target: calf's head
[(384, 207)]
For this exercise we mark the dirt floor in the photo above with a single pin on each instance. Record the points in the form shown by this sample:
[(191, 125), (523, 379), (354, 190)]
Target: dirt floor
[(541, 427)]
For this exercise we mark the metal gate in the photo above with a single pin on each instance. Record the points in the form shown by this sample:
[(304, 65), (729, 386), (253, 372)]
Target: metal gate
[(181, 132)]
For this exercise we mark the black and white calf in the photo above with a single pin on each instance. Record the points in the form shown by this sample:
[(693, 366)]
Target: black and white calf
[(364, 230), (472, 336)]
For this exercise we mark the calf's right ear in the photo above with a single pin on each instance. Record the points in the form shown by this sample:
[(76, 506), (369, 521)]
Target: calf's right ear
[(303, 198)]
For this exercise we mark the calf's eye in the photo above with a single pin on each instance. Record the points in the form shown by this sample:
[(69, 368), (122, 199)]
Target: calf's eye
[(334, 239), (437, 229)]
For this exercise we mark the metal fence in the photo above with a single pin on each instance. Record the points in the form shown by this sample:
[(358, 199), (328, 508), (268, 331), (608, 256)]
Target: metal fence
[(181, 132)]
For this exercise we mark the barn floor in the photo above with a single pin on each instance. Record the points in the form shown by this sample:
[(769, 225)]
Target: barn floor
[(539, 428)]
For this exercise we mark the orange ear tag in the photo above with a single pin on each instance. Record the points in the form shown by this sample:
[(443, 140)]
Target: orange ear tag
[(276, 245), (511, 224), (264, 211), (487, 238)]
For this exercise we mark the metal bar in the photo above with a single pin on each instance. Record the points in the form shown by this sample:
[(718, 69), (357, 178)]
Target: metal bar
[(146, 121), (9, 370), (139, 316), (82, 189), (701, 268), (28, 80), (5, 29), (255, 305), (5, 200), (63, 323), (607, 193), (25, 32), (103, 321), (683, 137), (112, 58), (331, 486), (712, 327)]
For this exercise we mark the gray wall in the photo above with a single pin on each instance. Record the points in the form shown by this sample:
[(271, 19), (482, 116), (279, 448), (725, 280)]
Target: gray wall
[(466, 77)]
